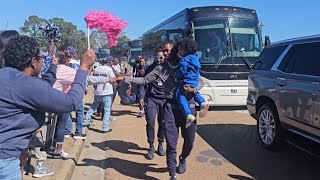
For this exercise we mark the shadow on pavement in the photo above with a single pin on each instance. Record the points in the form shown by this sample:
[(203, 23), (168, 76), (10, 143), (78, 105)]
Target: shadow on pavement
[(122, 147), (239, 145), (124, 112), (226, 108), (96, 130), (125, 167)]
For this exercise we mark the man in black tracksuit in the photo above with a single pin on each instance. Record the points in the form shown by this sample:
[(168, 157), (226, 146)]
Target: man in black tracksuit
[(154, 101)]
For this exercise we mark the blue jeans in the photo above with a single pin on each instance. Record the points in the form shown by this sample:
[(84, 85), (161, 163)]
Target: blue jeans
[(183, 99), (106, 100), (79, 120), (10, 169), (61, 128)]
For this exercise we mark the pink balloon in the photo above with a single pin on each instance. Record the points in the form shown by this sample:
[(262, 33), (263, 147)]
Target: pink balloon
[(107, 23)]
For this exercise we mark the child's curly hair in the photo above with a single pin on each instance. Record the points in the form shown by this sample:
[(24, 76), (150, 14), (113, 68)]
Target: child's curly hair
[(189, 45)]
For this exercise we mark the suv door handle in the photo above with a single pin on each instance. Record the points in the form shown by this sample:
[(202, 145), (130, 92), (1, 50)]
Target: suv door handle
[(282, 84)]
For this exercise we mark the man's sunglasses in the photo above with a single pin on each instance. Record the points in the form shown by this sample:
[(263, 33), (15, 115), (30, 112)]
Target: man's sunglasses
[(158, 57)]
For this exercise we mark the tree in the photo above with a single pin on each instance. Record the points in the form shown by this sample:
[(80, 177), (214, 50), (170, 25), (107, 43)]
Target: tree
[(31, 28), (122, 47), (70, 35), (98, 39)]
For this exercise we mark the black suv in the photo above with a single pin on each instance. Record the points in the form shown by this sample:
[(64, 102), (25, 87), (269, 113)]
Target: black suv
[(284, 91)]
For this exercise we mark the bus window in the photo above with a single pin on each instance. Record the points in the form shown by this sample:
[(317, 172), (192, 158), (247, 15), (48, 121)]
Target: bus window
[(212, 40), (246, 39)]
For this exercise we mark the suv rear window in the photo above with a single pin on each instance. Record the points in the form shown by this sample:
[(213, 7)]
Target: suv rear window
[(302, 59), (268, 57)]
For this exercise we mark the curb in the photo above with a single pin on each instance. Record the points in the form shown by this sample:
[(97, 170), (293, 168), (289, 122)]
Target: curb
[(69, 165)]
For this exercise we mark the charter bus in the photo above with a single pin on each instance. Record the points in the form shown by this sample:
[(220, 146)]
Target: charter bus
[(229, 40), (134, 49)]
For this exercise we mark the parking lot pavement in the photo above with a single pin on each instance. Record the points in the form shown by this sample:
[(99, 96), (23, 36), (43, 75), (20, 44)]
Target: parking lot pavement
[(226, 147), (233, 135)]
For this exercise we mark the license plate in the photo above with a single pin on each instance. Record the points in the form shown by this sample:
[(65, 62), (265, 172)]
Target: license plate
[(234, 91)]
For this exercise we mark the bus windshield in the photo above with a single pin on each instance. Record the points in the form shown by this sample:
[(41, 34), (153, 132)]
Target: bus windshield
[(213, 38), (246, 39)]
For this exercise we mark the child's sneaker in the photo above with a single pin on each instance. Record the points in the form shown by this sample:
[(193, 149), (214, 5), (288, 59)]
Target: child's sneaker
[(190, 119), (204, 109)]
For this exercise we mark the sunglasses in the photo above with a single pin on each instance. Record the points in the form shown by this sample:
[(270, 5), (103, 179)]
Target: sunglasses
[(158, 57)]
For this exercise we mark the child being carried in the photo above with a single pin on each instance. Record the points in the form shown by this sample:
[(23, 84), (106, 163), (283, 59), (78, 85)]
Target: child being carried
[(189, 74)]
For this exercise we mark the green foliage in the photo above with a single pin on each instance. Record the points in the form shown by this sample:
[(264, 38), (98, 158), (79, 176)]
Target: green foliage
[(31, 28), (70, 35), (121, 48)]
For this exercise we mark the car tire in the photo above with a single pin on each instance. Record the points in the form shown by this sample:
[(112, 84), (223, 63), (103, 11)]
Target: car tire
[(269, 129)]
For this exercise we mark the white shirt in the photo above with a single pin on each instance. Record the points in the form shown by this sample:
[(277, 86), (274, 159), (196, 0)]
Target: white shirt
[(117, 68), (106, 88)]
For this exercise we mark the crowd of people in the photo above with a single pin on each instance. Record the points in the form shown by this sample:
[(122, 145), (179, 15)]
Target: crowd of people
[(37, 80)]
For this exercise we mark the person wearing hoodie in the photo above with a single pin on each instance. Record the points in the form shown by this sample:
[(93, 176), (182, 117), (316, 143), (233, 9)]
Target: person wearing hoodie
[(189, 74), (23, 102)]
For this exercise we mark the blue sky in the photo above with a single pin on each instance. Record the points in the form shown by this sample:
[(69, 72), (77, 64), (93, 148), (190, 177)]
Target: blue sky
[(282, 19)]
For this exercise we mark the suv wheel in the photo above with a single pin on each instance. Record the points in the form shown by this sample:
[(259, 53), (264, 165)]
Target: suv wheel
[(268, 127)]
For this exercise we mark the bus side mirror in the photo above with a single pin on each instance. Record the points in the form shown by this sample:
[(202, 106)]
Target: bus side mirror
[(267, 41)]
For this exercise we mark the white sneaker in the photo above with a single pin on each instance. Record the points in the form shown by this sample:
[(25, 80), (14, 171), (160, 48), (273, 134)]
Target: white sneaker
[(112, 118), (60, 154), (80, 136), (42, 171)]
